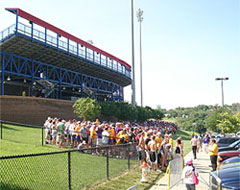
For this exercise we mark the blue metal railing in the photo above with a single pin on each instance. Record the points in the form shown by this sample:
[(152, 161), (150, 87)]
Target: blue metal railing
[(76, 50), (7, 32)]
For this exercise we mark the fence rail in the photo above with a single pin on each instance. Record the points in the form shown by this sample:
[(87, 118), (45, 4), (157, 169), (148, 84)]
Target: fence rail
[(70, 169)]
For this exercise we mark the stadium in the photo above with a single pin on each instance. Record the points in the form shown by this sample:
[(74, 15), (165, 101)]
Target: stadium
[(41, 60)]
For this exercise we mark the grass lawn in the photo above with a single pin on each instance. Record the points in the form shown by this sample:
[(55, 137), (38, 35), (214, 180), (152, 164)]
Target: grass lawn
[(51, 171)]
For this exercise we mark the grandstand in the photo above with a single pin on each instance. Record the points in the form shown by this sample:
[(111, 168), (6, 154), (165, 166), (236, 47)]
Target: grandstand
[(39, 59)]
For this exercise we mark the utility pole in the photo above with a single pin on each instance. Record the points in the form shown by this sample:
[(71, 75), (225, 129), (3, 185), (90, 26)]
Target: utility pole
[(140, 19), (133, 61)]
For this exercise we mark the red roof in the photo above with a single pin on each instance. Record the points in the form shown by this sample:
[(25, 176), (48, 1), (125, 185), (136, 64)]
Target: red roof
[(44, 24)]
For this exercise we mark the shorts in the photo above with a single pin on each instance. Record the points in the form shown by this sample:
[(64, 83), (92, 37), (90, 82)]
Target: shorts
[(141, 155), (153, 157), (73, 138), (61, 137), (93, 142), (99, 142), (78, 138), (85, 139)]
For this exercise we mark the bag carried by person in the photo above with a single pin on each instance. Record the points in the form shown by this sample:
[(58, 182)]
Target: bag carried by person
[(195, 178)]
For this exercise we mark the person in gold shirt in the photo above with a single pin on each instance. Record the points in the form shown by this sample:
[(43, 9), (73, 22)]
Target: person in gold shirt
[(213, 153)]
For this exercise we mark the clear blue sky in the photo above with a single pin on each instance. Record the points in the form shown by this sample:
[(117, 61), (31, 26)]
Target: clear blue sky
[(186, 43)]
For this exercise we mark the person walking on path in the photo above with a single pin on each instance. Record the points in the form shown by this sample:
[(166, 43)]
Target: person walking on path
[(213, 153), (205, 141), (194, 142), (187, 174)]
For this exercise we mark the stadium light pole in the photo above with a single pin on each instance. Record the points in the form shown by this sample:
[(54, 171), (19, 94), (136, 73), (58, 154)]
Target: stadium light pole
[(222, 79), (140, 19), (133, 64)]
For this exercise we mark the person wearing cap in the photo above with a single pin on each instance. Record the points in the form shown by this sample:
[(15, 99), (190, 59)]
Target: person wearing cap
[(93, 135), (60, 131), (84, 134), (111, 132), (187, 174), (47, 125)]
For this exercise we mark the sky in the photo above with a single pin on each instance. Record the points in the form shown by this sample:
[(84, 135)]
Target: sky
[(186, 44)]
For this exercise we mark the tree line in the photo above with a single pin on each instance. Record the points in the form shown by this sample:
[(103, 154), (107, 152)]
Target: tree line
[(204, 118), (89, 109)]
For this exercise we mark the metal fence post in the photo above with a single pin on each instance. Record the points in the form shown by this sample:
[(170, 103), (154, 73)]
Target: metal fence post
[(69, 170), (42, 136), (128, 152), (107, 159), (1, 129)]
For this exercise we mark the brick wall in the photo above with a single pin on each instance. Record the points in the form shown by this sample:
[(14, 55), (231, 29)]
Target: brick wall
[(33, 110)]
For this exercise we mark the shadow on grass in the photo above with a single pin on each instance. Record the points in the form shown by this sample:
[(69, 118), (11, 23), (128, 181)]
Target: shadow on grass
[(20, 126), (154, 181), (11, 187), (9, 128)]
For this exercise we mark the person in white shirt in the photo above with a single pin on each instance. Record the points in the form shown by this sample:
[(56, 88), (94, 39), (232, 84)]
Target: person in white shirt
[(105, 136), (194, 142), (187, 174)]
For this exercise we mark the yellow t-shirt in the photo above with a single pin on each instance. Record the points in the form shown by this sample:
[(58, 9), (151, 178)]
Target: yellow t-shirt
[(159, 141), (213, 150), (93, 134), (111, 133), (171, 141), (77, 129)]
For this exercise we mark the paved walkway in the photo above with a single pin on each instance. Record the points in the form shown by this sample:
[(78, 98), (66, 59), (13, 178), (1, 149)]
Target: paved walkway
[(201, 163)]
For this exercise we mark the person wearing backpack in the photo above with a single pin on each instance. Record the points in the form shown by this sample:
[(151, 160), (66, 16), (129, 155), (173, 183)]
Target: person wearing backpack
[(189, 175)]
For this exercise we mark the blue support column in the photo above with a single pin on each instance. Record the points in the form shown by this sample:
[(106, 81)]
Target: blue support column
[(60, 91), (68, 46), (31, 92), (86, 53), (45, 40), (31, 31), (100, 59), (57, 40), (77, 49), (93, 56), (16, 32), (2, 82)]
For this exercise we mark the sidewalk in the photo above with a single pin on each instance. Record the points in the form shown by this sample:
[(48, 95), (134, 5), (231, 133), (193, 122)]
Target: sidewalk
[(202, 164)]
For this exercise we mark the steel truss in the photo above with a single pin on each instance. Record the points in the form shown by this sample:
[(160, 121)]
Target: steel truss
[(35, 70)]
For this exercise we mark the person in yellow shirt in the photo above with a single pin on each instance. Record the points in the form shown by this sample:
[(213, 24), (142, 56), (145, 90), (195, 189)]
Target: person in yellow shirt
[(159, 140), (93, 136), (111, 134), (213, 153), (77, 129)]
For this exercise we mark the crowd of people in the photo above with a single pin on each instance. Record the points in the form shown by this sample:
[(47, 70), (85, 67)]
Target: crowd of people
[(153, 139)]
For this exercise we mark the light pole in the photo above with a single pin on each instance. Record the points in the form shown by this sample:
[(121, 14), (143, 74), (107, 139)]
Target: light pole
[(222, 79), (133, 64), (140, 19)]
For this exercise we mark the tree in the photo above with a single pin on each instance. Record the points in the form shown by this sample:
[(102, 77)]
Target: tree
[(229, 123), (87, 108), (213, 118)]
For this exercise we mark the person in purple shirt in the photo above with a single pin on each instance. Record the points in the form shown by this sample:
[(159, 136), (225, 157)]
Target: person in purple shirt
[(206, 140), (99, 131)]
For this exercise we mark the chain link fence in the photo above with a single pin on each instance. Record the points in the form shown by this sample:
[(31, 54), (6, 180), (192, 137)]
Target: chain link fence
[(175, 172), (73, 169)]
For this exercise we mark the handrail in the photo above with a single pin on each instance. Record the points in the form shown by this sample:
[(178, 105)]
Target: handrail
[(84, 53)]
